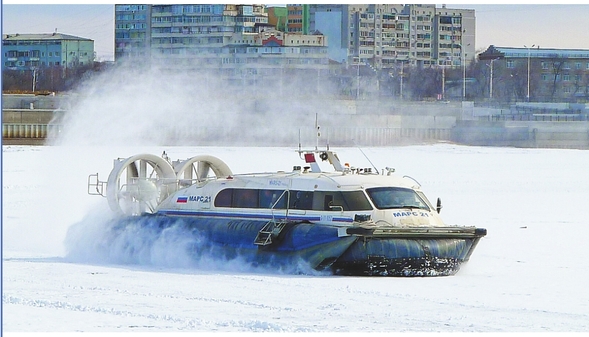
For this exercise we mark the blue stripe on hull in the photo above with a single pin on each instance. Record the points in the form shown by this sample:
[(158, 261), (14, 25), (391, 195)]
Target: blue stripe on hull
[(292, 217)]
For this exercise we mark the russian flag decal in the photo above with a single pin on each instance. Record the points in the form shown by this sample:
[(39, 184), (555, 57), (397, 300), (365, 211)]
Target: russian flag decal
[(182, 200)]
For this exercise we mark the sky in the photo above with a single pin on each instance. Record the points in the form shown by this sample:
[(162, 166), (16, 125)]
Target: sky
[(505, 25)]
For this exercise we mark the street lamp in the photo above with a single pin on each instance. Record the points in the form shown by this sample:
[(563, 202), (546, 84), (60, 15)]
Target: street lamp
[(358, 78), (401, 89), (491, 80), (528, 95), (444, 82), (444, 63), (463, 71), (34, 74)]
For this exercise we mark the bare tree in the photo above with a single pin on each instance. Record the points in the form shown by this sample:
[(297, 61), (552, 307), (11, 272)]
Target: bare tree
[(556, 66), (423, 83)]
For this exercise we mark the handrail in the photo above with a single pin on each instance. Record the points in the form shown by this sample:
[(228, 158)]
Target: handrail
[(276, 202), (413, 180)]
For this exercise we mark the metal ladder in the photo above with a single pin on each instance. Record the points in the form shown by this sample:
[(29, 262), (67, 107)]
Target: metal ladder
[(270, 230)]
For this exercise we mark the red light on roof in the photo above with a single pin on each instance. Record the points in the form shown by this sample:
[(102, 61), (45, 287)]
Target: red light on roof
[(309, 157)]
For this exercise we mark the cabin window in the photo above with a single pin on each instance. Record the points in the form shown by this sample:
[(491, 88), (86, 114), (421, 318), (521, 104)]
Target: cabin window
[(251, 198), (340, 201), (272, 199), (223, 199), (304, 200), (357, 201), (301, 200), (396, 197), (245, 198)]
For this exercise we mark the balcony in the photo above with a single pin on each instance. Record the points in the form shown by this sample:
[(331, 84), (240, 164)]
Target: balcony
[(159, 14), (160, 24)]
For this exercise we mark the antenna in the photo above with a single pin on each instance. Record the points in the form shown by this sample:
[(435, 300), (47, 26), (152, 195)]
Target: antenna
[(368, 160), (365, 156), (300, 150), (318, 133)]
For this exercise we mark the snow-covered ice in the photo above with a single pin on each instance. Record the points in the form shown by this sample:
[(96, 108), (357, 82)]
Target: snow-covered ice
[(529, 274)]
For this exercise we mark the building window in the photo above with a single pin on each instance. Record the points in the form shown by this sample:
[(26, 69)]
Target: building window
[(510, 64), (566, 77)]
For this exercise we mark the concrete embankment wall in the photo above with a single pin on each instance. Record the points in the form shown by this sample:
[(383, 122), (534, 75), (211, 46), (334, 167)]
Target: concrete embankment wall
[(557, 135), (28, 127), (554, 132), (522, 134), (30, 101), (26, 117), (387, 130), (343, 123), (337, 130)]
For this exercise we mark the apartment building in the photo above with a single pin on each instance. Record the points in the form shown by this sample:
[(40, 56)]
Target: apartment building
[(277, 17), (205, 34), (132, 31), (385, 36), (332, 20), (161, 30), (297, 19), (234, 43), (30, 51), (382, 36)]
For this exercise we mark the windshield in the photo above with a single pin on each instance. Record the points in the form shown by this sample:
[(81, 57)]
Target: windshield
[(396, 197)]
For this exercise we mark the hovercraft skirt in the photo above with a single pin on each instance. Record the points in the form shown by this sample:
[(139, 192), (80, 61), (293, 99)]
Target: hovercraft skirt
[(318, 246)]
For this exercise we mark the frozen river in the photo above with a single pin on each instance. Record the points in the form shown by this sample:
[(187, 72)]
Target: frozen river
[(529, 274)]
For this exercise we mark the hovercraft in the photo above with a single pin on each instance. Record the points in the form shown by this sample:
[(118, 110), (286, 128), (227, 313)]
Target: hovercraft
[(346, 221)]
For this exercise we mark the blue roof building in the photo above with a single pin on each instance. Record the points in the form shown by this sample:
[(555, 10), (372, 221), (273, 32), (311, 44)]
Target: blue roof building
[(533, 52), (29, 51), (538, 74)]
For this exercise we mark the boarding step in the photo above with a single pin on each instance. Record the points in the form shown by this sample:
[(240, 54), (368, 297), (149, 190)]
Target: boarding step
[(270, 230)]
